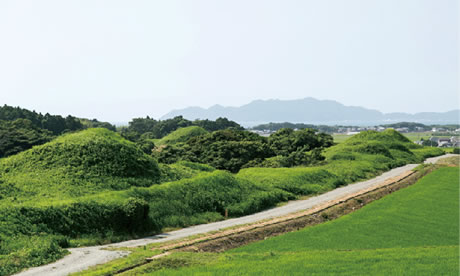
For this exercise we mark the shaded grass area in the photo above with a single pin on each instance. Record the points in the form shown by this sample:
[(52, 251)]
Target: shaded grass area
[(414, 231), (55, 192)]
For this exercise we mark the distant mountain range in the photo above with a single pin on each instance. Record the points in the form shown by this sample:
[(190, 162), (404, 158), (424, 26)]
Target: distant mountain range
[(310, 110)]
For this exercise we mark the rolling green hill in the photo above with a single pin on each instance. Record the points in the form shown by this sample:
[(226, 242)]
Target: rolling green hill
[(76, 164), (94, 186)]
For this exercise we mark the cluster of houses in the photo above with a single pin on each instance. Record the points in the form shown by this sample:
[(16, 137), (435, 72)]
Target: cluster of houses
[(356, 130), (442, 142)]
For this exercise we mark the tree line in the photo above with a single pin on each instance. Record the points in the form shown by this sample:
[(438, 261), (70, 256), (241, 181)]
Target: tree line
[(20, 129)]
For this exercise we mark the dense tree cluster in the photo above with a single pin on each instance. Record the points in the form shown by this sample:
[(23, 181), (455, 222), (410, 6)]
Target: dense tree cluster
[(19, 135), (54, 123), (301, 147), (20, 129), (148, 128), (232, 149)]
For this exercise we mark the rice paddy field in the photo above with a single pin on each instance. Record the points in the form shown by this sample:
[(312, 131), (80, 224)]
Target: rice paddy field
[(414, 231)]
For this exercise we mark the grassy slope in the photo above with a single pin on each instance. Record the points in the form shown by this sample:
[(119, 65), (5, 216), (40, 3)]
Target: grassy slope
[(77, 164), (180, 135), (414, 231)]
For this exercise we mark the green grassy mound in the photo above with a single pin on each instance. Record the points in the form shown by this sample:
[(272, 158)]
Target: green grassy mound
[(94, 185), (74, 165), (98, 152), (181, 135), (414, 231)]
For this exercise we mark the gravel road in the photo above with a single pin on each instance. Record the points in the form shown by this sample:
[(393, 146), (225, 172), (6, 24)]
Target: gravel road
[(81, 258)]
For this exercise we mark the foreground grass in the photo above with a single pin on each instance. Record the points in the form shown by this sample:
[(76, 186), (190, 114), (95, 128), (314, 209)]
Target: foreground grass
[(401, 261), (414, 231)]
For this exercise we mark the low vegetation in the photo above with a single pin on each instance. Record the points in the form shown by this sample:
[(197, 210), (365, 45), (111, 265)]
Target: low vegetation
[(181, 135), (414, 231)]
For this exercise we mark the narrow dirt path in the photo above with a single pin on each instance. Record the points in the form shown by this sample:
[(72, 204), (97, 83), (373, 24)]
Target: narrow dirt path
[(82, 258)]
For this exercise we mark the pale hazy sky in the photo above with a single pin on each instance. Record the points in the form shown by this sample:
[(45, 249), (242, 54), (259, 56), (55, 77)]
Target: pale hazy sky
[(114, 60)]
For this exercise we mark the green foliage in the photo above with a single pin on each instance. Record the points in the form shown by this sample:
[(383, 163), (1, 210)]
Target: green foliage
[(294, 181), (158, 129), (182, 135), (235, 149), (181, 170), (176, 203), (74, 165), (456, 151), (218, 124), (96, 124), (19, 135), (146, 145), (286, 141), (20, 129), (96, 152), (96, 184), (429, 143), (227, 149), (414, 231), (20, 251), (54, 123)]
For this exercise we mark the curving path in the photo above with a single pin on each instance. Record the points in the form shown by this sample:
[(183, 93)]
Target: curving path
[(82, 258)]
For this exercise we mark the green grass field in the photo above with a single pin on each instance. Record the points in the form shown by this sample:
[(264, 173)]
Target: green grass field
[(414, 231)]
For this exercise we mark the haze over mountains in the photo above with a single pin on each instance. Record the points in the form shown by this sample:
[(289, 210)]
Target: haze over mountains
[(310, 110)]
